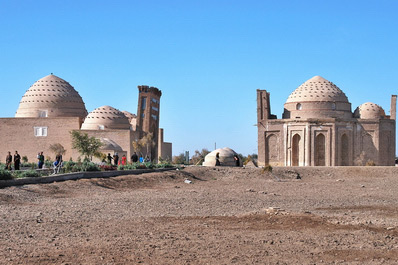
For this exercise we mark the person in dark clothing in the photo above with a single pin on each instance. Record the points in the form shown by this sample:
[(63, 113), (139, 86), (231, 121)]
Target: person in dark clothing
[(40, 157), (218, 159), (237, 162), (134, 157), (115, 159), (109, 158), (8, 161), (17, 160)]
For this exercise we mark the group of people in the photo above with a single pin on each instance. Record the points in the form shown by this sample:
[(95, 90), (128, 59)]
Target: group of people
[(17, 161), (123, 161)]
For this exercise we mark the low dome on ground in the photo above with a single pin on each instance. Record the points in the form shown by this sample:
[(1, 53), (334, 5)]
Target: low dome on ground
[(106, 118), (226, 157)]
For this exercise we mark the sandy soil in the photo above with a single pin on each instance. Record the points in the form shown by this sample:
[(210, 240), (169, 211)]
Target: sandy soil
[(226, 216)]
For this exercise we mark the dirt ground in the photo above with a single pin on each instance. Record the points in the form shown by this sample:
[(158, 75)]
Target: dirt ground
[(342, 215)]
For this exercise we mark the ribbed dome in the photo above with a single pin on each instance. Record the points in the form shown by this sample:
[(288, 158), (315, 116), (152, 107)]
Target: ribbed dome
[(132, 119), (317, 89), (51, 96), (317, 98), (369, 110), (105, 118)]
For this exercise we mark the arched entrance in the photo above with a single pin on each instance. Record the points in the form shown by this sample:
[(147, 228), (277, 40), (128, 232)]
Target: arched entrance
[(320, 150), (344, 150), (296, 150)]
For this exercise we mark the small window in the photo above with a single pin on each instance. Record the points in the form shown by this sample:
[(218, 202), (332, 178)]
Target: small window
[(143, 103), (155, 109), (333, 106), (298, 106), (155, 100), (43, 113), (154, 117), (142, 115), (101, 127), (40, 131)]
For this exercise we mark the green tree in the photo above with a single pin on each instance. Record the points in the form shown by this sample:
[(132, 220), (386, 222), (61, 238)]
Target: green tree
[(180, 159), (199, 156), (85, 145)]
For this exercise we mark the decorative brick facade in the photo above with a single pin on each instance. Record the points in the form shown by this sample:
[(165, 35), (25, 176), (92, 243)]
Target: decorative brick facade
[(319, 129)]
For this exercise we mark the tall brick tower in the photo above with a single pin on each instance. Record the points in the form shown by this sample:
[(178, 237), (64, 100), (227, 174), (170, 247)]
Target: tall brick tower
[(148, 114)]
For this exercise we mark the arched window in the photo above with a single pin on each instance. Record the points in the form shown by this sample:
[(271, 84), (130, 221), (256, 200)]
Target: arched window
[(296, 150), (298, 106), (320, 150)]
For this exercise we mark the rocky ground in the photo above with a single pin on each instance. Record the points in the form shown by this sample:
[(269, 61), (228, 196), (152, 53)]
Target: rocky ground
[(345, 215)]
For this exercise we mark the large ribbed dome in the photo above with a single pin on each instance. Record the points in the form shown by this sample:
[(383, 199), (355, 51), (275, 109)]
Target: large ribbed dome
[(51, 96), (317, 98), (105, 118), (369, 110), (317, 89)]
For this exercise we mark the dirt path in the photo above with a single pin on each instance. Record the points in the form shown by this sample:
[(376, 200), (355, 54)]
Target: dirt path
[(228, 215)]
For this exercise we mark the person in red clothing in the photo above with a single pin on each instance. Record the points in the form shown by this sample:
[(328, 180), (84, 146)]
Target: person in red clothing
[(124, 160)]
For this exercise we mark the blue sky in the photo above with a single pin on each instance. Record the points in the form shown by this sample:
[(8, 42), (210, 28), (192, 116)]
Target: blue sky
[(207, 57)]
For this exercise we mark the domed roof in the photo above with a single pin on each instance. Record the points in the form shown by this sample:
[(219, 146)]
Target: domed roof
[(132, 119), (108, 145), (317, 89), (104, 118), (51, 96), (369, 110), (226, 157)]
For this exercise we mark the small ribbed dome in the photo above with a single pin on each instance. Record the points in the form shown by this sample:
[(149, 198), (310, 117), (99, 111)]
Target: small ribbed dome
[(317, 89), (132, 119), (51, 96), (369, 110), (105, 118)]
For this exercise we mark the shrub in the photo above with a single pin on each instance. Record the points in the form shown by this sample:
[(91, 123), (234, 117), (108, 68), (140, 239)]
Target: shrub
[(90, 166), (5, 174), (25, 159), (164, 165), (68, 166), (28, 174), (370, 163), (267, 168)]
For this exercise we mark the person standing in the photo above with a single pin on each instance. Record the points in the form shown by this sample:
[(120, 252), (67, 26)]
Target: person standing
[(109, 157), (124, 160), (17, 160), (218, 159), (115, 159), (134, 158), (8, 161), (40, 157), (237, 162)]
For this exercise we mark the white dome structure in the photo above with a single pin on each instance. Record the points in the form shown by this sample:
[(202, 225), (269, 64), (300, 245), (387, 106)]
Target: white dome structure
[(369, 110), (106, 118), (226, 157), (51, 97), (317, 98)]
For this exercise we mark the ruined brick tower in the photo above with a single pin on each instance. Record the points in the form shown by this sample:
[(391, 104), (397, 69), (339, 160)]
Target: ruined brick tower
[(148, 114)]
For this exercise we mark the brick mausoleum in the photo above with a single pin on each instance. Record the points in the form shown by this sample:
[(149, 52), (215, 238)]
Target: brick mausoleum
[(318, 128), (51, 108)]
